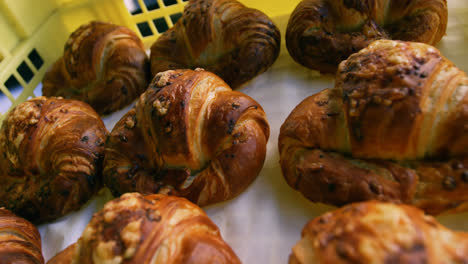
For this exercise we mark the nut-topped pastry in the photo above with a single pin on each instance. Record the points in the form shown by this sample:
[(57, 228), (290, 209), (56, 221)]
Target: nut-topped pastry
[(322, 33), (104, 65), (188, 135), (394, 128)]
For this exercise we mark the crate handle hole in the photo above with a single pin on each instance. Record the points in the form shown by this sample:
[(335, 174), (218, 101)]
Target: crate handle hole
[(160, 24), (36, 59), (151, 4), (145, 29), (133, 7), (25, 72), (13, 86), (175, 17), (169, 2)]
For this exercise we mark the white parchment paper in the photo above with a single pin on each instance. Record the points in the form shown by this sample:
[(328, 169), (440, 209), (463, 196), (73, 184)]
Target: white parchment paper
[(264, 222)]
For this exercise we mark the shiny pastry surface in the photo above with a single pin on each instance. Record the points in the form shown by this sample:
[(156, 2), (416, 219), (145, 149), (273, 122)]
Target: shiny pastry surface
[(225, 37), (157, 229), (322, 33), (376, 232), (51, 162), (104, 65), (394, 128), (188, 135)]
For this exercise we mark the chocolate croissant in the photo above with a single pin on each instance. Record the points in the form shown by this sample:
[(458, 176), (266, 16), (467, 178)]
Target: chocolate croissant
[(52, 151), (188, 135), (377, 232), (157, 229), (104, 65), (20, 242), (394, 128), (223, 36), (322, 33)]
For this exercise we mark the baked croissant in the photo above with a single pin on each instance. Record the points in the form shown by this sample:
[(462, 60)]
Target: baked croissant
[(223, 36), (52, 151), (20, 242), (104, 65), (188, 135), (156, 229), (377, 232), (394, 128), (322, 33)]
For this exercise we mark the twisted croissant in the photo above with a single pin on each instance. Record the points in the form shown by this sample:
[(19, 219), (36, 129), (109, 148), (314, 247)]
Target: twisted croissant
[(103, 65), (394, 128), (322, 33), (51, 157), (155, 229), (225, 37), (375, 232), (20, 242), (188, 135)]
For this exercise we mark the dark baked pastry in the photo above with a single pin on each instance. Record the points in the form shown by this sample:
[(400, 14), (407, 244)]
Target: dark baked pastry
[(223, 36), (188, 135), (322, 33), (104, 65), (20, 242), (394, 128), (51, 157), (157, 229), (376, 232)]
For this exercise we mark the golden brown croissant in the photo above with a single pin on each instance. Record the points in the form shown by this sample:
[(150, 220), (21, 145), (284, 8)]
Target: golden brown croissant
[(322, 33), (20, 242), (156, 229), (104, 65), (223, 36), (377, 232), (51, 162), (394, 128), (188, 135)]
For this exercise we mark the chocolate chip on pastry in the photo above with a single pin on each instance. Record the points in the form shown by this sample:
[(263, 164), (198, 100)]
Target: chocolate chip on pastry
[(20, 242), (322, 33), (157, 229), (188, 135), (104, 65), (394, 128), (223, 36), (378, 232), (51, 157)]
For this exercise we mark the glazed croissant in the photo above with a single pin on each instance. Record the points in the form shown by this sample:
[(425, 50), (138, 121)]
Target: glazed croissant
[(20, 242), (188, 135), (156, 229), (52, 151), (394, 128), (104, 65), (377, 232), (322, 33), (223, 36)]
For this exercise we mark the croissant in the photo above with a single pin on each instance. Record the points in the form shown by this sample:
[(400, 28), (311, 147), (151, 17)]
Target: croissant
[(52, 151), (223, 36), (322, 33), (378, 232), (156, 229), (104, 65), (188, 135), (394, 128), (20, 242)]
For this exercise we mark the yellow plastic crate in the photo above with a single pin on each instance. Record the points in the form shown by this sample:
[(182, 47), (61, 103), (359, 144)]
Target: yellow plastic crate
[(34, 33)]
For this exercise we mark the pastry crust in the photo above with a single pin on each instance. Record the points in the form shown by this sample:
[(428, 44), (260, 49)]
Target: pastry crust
[(322, 33), (223, 36), (52, 151), (104, 65), (188, 135), (394, 128), (20, 242), (156, 229), (376, 232)]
